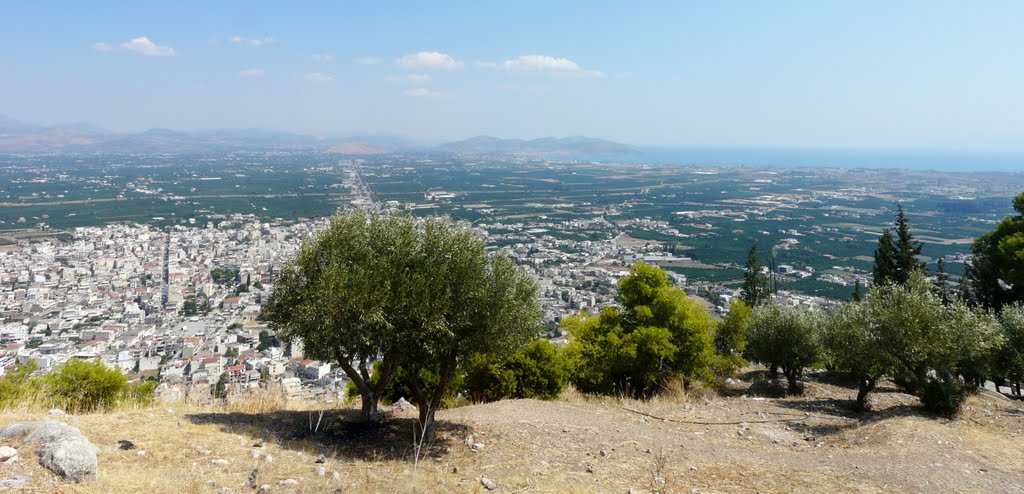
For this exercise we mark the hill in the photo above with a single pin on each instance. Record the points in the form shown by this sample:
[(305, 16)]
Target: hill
[(705, 442)]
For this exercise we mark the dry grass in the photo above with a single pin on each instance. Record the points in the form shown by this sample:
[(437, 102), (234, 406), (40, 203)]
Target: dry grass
[(690, 438)]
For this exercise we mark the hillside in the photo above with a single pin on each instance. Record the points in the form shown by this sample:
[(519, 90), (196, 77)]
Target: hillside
[(702, 443)]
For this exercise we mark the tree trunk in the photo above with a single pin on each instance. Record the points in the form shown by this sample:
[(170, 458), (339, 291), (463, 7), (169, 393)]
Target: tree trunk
[(369, 393), (866, 384), (793, 378), (773, 371), (429, 401)]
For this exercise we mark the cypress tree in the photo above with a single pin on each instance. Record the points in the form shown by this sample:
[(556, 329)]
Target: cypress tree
[(907, 249), (885, 260), (857, 295), (755, 284), (942, 283)]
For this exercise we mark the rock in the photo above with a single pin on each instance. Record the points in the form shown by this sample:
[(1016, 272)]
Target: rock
[(469, 440), (321, 471), (488, 483), (251, 482), (321, 458), (64, 451), (55, 411), (140, 452), (7, 452), (15, 482), (258, 444), (403, 405), (219, 461), (604, 454), (222, 490), (265, 488), (268, 458), (477, 447), (335, 475), (211, 482), (288, 482), (125, 444), (255, 453), (203, 451)]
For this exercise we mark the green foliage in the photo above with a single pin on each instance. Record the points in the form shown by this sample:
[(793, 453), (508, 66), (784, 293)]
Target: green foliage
[(943, 396), (731, 339), (265, 341), (996, 275), (485, 380), (755, 290), (659, 333), (195, 305), (421, 297), (224, 276), (540, 371), (906, 332), (18, 384), (1009, 360), (89, 386), (885, 270), (787, 337)]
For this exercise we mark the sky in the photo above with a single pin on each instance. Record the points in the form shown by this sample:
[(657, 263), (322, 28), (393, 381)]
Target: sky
[(833, 74)]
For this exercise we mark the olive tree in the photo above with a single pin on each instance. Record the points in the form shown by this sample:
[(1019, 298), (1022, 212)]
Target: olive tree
[(1010, 355), (787, 337), (344, 295), (462, 302)]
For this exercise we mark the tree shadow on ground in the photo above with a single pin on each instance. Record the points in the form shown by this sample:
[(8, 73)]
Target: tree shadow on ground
[(341, 432), (840, 409)]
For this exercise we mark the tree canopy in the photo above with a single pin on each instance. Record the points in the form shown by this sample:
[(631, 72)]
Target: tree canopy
[(996, 274)]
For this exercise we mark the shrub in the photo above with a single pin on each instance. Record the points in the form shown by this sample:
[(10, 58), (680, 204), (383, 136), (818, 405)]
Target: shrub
[(943, 396), (86, 386), (786, 337)]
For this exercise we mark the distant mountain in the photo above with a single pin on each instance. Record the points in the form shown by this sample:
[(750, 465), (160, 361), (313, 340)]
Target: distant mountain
[(545, 146), (21, 137)]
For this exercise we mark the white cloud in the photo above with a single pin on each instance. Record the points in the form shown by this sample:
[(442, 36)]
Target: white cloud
[(252, 72), (143, 45), (317, 77), (239, 40), (418, 77), (542, 63), (102, 46), (421, 92), (366, 60), (322, 57), (429, 60)]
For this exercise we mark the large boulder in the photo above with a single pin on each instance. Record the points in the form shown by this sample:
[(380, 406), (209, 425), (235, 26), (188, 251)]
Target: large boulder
[(62, 448)]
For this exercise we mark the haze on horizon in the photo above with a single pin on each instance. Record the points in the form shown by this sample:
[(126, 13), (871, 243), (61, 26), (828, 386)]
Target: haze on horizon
[(853, 75)]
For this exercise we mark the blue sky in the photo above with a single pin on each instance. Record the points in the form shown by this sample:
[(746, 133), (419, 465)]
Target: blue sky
[(863, 74)]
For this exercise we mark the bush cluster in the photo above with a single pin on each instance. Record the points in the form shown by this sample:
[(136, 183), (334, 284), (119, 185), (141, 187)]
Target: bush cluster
[(76, 386)]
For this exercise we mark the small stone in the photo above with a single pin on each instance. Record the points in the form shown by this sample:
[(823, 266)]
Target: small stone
[(140, 452), (251, 481), (170, 411), (335, 475), (203, 451), (258, 444), (604, 454), (477, 447), (223, 490), (321, 471), (455, 469), (55, 411), (469, 440), (648, 451), (255, 453), (7, 453), (268, 458), (488, 483), (590, 468), (125, 444), (219, 461), (321, 458), (288, 482), (211, 482), (265, 488)]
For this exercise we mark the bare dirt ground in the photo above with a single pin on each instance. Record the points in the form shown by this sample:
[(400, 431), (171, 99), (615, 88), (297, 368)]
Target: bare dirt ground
[(728, 441)]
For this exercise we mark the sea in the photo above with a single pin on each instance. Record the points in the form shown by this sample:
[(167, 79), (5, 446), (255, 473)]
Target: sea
[(948, 161)]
